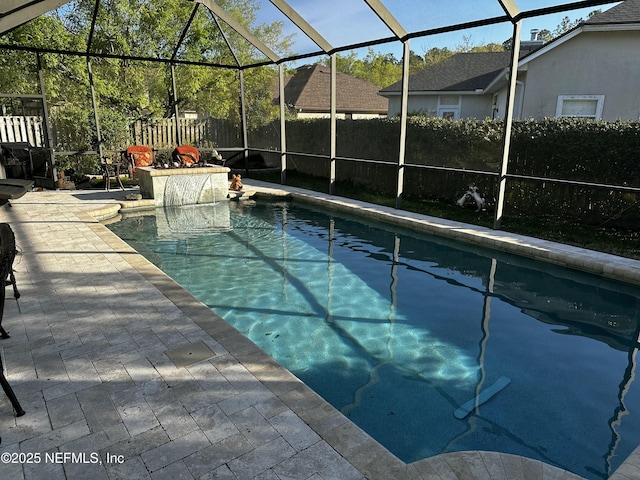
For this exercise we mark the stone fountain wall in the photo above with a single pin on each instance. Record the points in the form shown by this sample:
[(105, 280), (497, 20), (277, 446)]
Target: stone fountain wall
[(184, 186)]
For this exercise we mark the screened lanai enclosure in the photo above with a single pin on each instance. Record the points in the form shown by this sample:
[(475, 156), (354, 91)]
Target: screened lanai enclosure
[(290, 87)]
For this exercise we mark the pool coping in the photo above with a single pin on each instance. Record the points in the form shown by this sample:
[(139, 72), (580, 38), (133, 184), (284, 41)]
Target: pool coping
[(591, 261), (372, 459)]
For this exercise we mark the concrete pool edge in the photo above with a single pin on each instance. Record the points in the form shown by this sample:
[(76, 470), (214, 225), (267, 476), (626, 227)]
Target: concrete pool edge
[(591, 261)]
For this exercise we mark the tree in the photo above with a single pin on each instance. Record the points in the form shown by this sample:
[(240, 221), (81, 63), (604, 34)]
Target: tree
[(143, 28), (565, 25), (416, 62), (344, 63), (435, 55), (545, 35), (489, 47), (380, 69), (18, 70)]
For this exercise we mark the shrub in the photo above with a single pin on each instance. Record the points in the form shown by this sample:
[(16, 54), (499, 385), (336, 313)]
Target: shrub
[(567, 149)]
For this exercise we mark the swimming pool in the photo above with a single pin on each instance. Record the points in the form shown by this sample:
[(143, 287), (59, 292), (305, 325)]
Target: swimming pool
[(398, 330)]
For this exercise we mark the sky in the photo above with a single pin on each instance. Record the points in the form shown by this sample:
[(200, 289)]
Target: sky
[(348, 22), (344, 22)]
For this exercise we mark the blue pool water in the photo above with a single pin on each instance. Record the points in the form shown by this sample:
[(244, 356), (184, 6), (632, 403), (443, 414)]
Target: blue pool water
[(398, 329)]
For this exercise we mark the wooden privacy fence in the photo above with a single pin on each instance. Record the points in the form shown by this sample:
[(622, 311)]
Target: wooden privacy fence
[(204, 133), (157, 133), (22, 129)]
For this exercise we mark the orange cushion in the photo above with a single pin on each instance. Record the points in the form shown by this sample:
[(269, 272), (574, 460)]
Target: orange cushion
[(188, 154), (140, 156)]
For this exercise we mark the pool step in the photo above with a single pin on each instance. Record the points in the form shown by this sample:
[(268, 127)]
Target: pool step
[(483, 397)]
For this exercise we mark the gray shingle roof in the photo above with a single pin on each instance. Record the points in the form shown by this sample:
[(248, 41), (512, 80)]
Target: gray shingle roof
[(476, 70), (309, 89), (626, 12), (460, 72)]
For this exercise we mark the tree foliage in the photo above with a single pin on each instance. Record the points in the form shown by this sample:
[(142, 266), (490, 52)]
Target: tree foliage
[(383, 69), (565, 25), (128, 89)]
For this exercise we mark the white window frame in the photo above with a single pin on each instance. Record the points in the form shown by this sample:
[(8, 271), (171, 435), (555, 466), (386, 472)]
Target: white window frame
[(599, 105), (452, 108)]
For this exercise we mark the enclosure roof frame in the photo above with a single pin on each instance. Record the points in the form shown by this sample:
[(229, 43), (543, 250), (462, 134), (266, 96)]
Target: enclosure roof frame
[(14, 13)]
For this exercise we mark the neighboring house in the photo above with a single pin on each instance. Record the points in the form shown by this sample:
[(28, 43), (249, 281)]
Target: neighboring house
[(453, 88), (592, 71), (308, 93)]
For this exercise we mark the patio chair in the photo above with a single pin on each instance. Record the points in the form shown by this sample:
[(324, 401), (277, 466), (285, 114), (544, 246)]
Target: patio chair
[(111, 169), (7, 256), (186, 155), (138, 156)]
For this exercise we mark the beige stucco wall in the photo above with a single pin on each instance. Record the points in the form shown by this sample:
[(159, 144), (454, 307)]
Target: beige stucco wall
[(342, 116), (592, 63), (472, 106), (424, 104), (476, 106)]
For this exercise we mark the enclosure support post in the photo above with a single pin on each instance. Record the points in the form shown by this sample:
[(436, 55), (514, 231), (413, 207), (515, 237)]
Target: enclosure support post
[(96, 116), (174, 94), (283, 133), (404, 100), (508, 121), (243, 122), (332, 165), (47, 122)]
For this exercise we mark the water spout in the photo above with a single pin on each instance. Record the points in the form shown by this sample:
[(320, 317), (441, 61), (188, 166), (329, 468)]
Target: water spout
[(185, 189)]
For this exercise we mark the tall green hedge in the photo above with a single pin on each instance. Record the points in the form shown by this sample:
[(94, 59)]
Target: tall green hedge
[(573, 149), (566, 149)]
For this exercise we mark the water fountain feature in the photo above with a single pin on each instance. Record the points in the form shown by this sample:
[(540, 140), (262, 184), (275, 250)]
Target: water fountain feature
[(184, 186)]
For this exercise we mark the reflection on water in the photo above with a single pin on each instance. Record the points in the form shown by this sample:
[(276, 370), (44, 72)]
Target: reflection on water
[(398, 330), (182, 222)]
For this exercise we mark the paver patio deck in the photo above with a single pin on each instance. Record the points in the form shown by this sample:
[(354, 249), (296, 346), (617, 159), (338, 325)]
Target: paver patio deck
[(91, 359)]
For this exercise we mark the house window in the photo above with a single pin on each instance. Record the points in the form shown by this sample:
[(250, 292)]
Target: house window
[(580, 106), (449, 106)]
